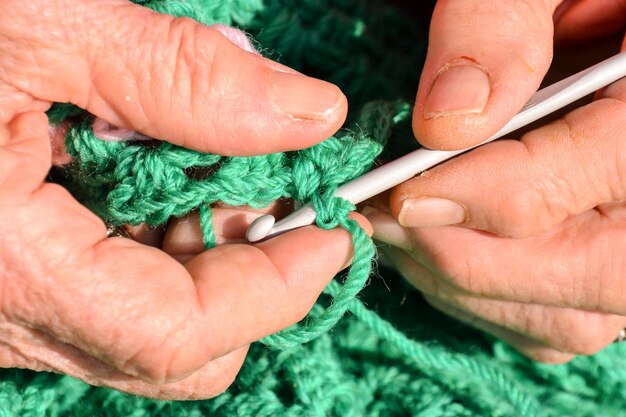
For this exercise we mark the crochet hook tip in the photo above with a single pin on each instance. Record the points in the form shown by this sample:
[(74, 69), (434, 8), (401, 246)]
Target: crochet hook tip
[(260, 228), (267, 227)]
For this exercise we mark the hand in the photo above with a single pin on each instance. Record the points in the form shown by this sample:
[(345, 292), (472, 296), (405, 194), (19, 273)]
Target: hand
[(523, 239), (112, 311)]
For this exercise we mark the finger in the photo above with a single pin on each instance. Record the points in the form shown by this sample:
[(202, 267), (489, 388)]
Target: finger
[(585, 20), (25, 154), (577, 265), (12, 358), (485, 59), (448, 299), (169, 78), (33, 349), (567, 330), (385, 228), (524, 345), (170, 320), (527, 187)]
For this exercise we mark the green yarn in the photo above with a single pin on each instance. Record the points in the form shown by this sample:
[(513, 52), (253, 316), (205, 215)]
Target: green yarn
[(390, 355)]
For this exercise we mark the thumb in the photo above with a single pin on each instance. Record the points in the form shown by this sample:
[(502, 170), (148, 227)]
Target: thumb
[(485, 59), (172, 79)]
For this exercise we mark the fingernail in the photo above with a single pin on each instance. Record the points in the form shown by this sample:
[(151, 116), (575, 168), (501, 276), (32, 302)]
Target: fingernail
[(304, 97), (386, 228), (369, 210), (423, 212), (459, 89)]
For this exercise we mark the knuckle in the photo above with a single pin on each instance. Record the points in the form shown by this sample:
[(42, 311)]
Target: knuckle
[(423, 279), (190, 61), (595, 168), (201, 74), (519, 214), (152, 364), (216, 384), (603, 266), (516, 21), (199, 390), (469, 273), (512, 15), (181, 69), (430, 285), (582, 333), (614, 149), (552, 196), (520, 10), (204, 384), (453, 269), (166, 359), (587, 345), (534, 206), (618, 185)]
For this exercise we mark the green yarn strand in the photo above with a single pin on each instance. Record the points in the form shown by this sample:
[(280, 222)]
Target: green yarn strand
[(343, 295), (438, 363), (206, 225)]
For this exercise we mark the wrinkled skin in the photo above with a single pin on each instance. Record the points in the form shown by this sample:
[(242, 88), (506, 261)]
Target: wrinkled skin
[(535, 254), (116, 312)]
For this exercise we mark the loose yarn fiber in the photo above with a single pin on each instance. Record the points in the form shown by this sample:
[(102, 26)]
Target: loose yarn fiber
[(390, 355)]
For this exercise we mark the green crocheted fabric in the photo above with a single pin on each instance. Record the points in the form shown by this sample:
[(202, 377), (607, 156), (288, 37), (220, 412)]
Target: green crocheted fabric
[(391, 355)]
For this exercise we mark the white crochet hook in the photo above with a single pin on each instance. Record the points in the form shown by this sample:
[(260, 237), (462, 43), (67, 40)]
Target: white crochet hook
[(542, 103)]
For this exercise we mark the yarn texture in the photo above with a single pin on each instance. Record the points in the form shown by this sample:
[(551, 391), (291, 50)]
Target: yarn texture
[(370, 346)]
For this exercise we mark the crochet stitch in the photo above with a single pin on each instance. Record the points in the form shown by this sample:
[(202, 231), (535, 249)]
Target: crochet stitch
[(391, 355)]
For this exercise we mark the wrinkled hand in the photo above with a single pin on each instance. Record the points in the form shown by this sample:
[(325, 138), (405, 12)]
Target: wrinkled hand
[(523, 239), (112, 311)]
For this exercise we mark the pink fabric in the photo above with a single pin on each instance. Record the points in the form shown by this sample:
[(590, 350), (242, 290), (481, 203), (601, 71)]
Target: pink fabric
[(57, 142), (236, 36), (109, 132)]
